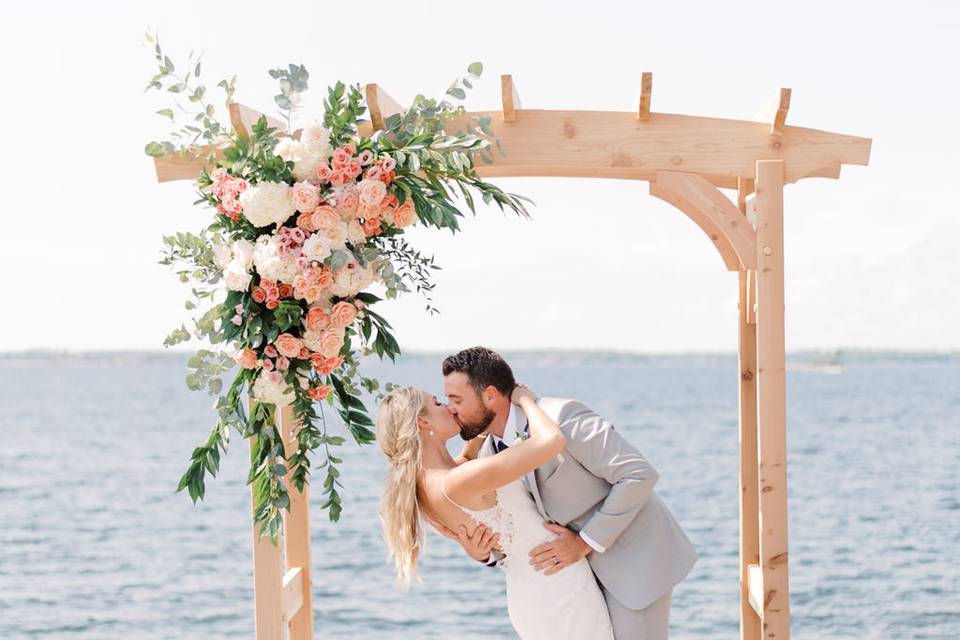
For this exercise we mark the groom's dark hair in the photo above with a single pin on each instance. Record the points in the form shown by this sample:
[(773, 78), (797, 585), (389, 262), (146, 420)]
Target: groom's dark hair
[(483, 367)]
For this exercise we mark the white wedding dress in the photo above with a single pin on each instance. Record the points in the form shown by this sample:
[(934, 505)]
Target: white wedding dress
[(566, 605)]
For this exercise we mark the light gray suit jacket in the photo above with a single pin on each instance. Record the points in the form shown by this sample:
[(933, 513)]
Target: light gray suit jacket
[(601, 485)]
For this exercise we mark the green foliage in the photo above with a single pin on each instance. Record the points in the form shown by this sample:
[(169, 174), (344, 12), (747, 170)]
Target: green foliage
[(193, 116), (435, 168), (293, 81)]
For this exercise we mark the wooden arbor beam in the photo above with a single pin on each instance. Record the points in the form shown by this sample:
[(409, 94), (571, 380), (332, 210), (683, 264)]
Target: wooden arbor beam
[(719, 218), (381, 106), (613, 144)]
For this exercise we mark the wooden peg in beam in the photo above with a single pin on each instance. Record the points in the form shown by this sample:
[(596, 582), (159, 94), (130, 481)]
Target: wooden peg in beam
[(381, 106), (511, 100), (646, 88), (775, 112)]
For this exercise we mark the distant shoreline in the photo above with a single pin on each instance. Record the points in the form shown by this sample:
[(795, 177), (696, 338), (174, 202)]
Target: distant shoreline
[(818, 357)]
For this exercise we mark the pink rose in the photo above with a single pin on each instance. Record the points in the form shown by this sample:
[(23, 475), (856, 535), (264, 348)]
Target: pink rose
[(270, 351), (323, 172), (348, 200), (267, 365), (350, 149), (246, 358), (273, 303), (343, 314), (353, 168), (282, 363), (285, 290), (305, 196), (331, 341), (338, 178), (288, 345), (317, 319), (237, 320), (340, 158)]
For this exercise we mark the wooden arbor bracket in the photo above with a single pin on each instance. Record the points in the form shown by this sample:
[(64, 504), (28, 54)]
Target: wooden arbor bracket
[(713, 212)]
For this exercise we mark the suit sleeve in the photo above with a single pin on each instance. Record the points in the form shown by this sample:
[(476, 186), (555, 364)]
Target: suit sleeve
[(594, 443)]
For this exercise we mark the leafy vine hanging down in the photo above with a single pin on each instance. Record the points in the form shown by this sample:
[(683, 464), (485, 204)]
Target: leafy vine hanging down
[(303, 224)]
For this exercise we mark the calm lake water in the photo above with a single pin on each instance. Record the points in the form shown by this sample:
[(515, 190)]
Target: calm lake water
[(94, 542)]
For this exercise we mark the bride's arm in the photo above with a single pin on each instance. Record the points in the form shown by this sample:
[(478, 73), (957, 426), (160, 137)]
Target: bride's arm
[(476, 477), (471, 449)]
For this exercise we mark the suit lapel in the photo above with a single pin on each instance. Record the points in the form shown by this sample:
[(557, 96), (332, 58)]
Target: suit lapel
[(530, 480)]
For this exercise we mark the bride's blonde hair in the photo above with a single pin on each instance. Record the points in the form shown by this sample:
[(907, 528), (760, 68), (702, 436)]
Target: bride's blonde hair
[(399, 439)]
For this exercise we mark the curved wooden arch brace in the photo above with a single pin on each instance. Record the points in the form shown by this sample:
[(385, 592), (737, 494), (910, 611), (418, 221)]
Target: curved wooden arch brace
[(713, 212)]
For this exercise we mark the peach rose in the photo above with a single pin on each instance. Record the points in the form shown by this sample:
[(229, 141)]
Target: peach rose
[(353, 168), (247, 358), (317, 319), (319, 393), (305, 222), (325, 366), (324, 218), (305, 196), (330, 343), (259, 295), (338, 177), (404, 215), (325, 278), (372, 192), (348, 201), (285, 290), (343, 314), (288, 345), (350, 148)]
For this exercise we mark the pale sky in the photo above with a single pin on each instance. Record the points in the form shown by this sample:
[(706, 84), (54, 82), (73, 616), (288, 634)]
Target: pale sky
[(870, 258)]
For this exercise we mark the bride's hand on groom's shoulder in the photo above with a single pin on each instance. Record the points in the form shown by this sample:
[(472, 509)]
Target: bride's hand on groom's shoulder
[(520, 392)]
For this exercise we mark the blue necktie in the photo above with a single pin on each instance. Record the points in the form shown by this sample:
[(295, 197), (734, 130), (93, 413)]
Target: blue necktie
[(500, 445)]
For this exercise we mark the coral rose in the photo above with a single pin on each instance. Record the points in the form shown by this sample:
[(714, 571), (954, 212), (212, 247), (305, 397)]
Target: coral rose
[(343, 314), (247, 358), (330, 343), (319, 393), (317, 319), (288, 345)]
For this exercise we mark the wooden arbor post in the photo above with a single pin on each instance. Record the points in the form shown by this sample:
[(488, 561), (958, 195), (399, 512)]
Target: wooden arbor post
[(686, 160), (282, 577)]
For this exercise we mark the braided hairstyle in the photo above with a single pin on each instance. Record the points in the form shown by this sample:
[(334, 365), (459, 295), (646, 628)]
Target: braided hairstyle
[(399, 439)]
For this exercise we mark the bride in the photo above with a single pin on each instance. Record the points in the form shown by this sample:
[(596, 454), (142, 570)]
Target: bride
[(424, 480)]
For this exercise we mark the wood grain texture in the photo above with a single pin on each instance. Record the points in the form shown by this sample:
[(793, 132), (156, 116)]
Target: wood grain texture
[(771, 401)]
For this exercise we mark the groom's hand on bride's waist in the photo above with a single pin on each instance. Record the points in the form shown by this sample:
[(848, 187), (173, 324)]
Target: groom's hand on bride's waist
[(559, 553)]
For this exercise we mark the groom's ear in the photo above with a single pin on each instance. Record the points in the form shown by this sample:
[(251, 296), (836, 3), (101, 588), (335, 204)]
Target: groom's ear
[(490, 395)]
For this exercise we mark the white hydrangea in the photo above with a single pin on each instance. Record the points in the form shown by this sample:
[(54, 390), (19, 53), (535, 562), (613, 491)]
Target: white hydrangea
[(271, 387), (243, 254), (221, 255), (267, 203), (317, 247), (270, 265), (351, 279), (236, 277)]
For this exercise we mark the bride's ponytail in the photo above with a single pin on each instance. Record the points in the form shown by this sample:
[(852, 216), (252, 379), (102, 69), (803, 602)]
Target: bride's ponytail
[(399, 439)]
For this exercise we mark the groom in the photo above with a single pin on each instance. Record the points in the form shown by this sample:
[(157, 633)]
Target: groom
[(599, 492)]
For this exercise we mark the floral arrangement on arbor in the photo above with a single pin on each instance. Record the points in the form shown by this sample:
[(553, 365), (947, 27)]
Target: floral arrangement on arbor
[(303, 224)]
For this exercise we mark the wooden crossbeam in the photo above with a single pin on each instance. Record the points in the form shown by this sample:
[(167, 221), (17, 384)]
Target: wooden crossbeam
[(243, 118), (755, 588), (775, 112), (610, 144), (646, 89), (509, 97), (381, 106), (292, 593)]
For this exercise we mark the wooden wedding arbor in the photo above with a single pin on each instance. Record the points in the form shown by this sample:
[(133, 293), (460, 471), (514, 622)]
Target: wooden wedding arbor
[(686, 160)]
